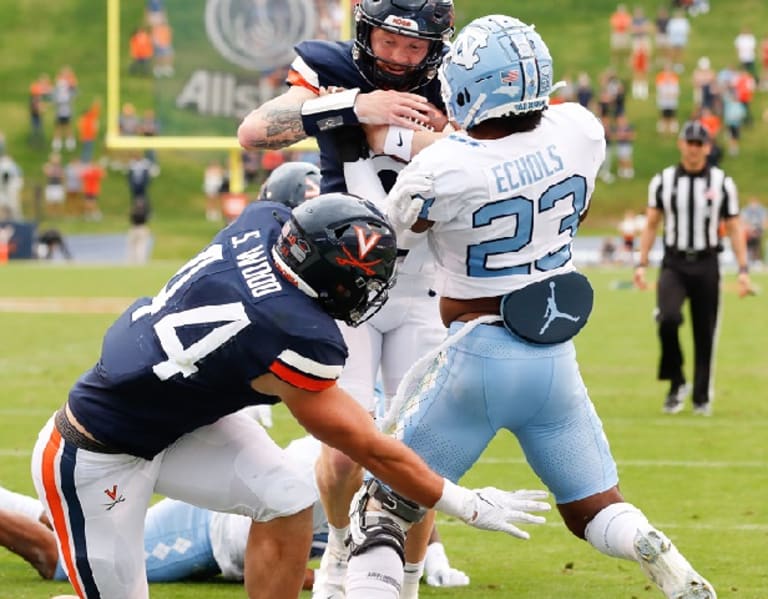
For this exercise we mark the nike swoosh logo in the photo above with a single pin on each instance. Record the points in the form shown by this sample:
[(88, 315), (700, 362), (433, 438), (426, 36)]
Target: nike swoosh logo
[(399, 139)]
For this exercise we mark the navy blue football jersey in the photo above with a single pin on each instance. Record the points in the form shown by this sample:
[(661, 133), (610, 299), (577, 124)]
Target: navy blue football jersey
[(187, 356), (323, 64)]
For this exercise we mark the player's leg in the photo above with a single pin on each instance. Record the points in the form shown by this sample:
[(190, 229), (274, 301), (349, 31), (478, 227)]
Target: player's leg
[(234, 466), (267, 546), (96, 503), (449, 428), (177, 542), (415, 332), (566, 446), (29, 539), (338, 477)]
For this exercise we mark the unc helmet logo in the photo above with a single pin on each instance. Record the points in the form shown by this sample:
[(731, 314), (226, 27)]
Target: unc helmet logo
[(259, 34)]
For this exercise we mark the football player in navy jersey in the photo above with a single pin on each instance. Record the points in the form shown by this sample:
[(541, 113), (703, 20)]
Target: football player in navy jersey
[(248, 320), (372, 103)]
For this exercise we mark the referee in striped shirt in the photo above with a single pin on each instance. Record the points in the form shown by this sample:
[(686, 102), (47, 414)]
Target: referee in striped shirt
[(692, 198)]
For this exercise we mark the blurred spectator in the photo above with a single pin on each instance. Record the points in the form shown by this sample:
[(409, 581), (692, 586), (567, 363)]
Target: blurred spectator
[(640, 62), (92, 175), (73, 186), (624, 140), (744, 86), (678, 30), (584, 92), (662, 39), (271, 159), (141, 50), (746, 50), (611, 95), (139, 177), (755, 219), (620, 23), (714, 125), (54, 185), (162, 42), (39, 94), (128, 124), (605, 174), (11, 184), (734, 115), (88, 130), (213, 186), (63, 98), (667, 99), (629, 227), (154, 12), (251, 166), (640, 29), (149, 126), (704, 83)]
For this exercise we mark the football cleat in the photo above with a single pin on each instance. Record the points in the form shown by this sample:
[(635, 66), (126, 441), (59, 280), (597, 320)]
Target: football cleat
[(675, 399), (665, 565)]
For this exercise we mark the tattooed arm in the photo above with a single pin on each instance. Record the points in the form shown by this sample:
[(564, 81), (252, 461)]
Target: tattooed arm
[(276, 123)]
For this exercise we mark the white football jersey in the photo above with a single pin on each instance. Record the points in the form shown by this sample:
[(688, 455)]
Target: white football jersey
[(505, 211)]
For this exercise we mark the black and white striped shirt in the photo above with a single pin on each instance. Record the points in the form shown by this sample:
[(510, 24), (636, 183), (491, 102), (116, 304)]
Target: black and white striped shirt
[(693, 205)]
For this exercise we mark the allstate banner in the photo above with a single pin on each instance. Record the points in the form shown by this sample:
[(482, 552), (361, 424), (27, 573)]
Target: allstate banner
[(18, 237), (230, 56)]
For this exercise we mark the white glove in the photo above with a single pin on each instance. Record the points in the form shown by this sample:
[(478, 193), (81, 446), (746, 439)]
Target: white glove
[(406, 198), (261, 413), (493, 509), (447, 578)]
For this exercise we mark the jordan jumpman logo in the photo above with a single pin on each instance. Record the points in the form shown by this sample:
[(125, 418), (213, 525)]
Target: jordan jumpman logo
[(552, 311)]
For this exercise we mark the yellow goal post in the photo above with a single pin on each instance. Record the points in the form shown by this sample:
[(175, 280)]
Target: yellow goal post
[(215, 11)]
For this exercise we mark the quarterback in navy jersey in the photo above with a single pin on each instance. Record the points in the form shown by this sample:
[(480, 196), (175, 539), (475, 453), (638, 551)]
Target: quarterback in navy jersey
[(372, 103), (250, 319)]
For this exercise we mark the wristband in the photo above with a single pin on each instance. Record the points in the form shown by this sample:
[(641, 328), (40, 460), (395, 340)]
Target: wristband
[(457, 501), (744, 270), (399, 142), (641, 265), (329, 111)]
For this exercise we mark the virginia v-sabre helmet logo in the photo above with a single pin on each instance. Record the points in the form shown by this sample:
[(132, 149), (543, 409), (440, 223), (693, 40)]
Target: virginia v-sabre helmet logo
[(496, 66), (340, 250), (430, 20)]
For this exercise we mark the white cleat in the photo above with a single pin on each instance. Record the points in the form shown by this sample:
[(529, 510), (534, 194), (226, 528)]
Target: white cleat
[(329, 577), (665, 565)]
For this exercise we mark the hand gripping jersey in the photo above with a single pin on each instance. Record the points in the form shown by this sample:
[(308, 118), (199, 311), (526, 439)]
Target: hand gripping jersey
[(325, 64), (186, 357), (505, 214)]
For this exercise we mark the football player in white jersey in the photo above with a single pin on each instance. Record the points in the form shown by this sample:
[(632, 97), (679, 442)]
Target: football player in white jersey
[(501, 203)]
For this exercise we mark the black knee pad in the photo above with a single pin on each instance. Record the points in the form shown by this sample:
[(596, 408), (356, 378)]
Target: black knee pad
[(386, 527)]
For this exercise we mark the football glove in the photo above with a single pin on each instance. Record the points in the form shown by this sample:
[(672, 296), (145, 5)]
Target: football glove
[(406, 198), (493, 509)]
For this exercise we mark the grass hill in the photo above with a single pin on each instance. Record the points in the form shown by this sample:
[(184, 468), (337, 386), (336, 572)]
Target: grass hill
[(40, 36)]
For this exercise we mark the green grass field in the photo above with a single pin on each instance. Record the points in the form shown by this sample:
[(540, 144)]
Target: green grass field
[(702, 480)]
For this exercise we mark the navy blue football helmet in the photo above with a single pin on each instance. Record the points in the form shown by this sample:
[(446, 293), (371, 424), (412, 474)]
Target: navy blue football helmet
[(430, 20), (291, 184), (340, 250), (497, 66)]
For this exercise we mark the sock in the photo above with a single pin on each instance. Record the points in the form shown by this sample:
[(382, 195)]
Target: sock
[(436, 558), (336, 538), (411, 576), (22, 504), (375, 574), (612, 531)]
